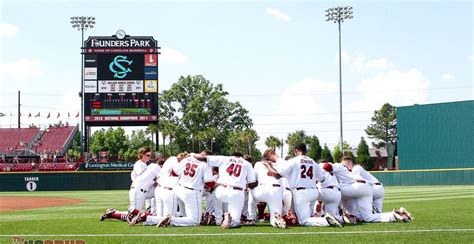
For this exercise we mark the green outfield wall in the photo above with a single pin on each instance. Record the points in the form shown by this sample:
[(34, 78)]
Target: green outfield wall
[(120, 180), (436, 136)]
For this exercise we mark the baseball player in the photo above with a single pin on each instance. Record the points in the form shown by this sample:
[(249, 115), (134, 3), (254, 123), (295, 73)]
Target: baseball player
[(235, 174), (164, 194), (143, 187), (357, 195), (269, 190), (144, 155), (377, 187), (329, 193), (302, 173), (192, 174)]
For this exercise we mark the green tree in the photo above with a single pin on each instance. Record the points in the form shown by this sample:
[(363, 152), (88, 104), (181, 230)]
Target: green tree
[(273, 142), (249, 137), (137, 139), (74, 150), (337, 155), (314, 148), (97, 143), (201, 114), (384, 126), (363, 155), (326, 154), (294, 138)]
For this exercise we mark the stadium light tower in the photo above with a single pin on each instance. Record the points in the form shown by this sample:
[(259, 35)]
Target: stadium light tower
[(82, 23), (338, 15)]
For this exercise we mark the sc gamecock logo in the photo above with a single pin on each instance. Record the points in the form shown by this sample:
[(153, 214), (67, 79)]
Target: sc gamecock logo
[(117, 67)]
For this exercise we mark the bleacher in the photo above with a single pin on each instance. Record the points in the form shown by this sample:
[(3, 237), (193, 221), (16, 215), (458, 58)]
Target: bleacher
[(57, 167), (55, 139), (14, 140)]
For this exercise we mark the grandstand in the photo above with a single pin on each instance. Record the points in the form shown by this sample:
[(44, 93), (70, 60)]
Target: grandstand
[(21, 148)]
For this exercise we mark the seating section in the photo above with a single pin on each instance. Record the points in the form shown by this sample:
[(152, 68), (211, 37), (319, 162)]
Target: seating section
[(16, 139), (22, 167), (5, 167), (54, 139), (57, 167)]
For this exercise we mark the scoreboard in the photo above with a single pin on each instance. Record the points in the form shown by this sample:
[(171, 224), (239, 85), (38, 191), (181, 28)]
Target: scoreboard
[(120, 80)]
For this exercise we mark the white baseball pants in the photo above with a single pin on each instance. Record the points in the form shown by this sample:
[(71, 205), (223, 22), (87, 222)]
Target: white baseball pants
[(235, 202), (270, 194), (302, 201)]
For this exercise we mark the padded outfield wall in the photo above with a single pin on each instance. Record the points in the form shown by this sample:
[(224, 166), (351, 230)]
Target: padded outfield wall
[(120, 180), (436, 136)]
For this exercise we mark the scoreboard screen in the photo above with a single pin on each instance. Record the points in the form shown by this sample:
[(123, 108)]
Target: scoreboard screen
[(120, 81)]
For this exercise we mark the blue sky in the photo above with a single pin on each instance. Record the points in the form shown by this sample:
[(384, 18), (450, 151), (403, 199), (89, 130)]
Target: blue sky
[(277, 58)]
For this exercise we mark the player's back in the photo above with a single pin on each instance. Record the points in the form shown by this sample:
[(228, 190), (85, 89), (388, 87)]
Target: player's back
[(147, 178), (301, 171), (138, 168), (233, 171), (263, 176), (358, 170), (193, 173), (165, 179)]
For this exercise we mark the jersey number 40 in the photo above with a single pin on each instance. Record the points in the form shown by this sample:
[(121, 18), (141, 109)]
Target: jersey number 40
[(234, 169)]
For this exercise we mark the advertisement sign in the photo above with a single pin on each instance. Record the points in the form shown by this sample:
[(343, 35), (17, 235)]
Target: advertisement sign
[(90, 61), (90, 73), (151, 73), (151, 86), (127, 86), (90, 86), (151, 59)]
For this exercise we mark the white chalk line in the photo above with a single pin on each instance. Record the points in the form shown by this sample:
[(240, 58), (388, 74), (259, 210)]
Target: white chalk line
[(246, 233)]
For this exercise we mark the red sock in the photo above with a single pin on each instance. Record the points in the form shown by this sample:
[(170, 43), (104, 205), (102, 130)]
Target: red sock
[(119, 216), (261, 209)]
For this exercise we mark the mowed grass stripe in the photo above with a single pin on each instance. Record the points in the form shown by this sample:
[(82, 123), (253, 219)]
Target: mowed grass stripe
[(248, 233)]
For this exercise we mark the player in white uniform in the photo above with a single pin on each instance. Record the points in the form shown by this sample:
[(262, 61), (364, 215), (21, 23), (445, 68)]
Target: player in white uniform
[(269, 190), (192, 175), (377, 187), (235, 174), (144, 155), (357, 196), (143, 187), (329, 193), (302, 173), (164, 193)]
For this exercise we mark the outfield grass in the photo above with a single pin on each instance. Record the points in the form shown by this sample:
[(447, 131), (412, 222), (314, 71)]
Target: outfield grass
[(442, 214)]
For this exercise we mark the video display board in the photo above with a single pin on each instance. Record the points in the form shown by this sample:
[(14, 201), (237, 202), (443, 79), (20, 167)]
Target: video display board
[(120, 80)]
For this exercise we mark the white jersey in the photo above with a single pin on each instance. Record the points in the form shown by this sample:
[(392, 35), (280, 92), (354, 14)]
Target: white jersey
[(263, 176), (301, 171), (164, 179), (233, 171), (329, 178), (193, 173), (138, 168), (147, 178), (358, 170), (344, 175)]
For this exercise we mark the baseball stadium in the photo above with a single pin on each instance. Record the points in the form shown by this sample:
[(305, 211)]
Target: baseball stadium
[(151, 144)]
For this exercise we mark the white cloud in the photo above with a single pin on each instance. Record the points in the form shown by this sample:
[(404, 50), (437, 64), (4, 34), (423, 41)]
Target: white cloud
[(8, 29), (278, 14), (301, 104), (361, 63), (394, 87), (173, 56), (20, 70), (447, 76)]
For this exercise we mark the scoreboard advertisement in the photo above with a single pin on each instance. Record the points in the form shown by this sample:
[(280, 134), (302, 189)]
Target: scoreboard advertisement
[(120, 80)]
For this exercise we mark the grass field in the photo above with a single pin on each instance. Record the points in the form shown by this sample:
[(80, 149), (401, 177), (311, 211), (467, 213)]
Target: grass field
[(443, 214)]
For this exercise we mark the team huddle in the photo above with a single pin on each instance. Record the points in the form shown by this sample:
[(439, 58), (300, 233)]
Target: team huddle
[(297, 191)]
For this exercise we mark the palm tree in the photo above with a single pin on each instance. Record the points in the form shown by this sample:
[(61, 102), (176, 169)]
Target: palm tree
[(249, 136), (273, 142)]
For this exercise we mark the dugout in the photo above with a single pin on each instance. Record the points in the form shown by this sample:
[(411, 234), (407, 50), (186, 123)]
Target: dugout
[(436, 136)]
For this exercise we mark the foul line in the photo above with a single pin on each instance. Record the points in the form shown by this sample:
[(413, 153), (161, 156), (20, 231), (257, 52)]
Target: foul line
[(247, 233)]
